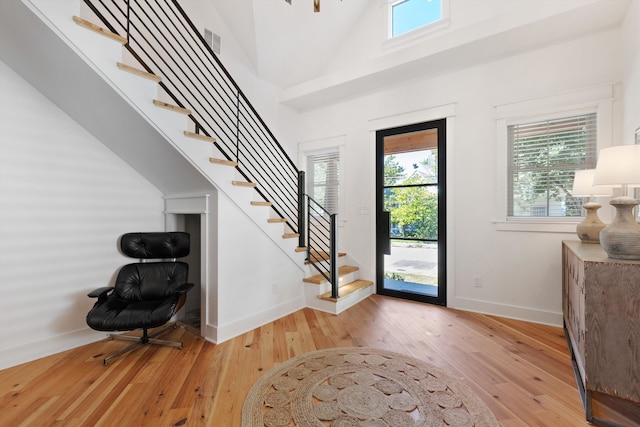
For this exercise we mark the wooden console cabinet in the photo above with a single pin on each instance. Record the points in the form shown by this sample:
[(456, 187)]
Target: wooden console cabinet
[(601, 308)]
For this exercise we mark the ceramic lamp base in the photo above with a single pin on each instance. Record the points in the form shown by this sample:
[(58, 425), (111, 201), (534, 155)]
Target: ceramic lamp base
[(621, 238), (589, 230)]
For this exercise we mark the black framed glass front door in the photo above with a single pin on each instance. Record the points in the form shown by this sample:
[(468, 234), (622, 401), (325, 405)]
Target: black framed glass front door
[(411, 212)]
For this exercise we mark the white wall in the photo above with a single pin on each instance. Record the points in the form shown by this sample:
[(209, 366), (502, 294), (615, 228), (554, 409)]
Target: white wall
[(520, 270), (64, 201), (256, 281)]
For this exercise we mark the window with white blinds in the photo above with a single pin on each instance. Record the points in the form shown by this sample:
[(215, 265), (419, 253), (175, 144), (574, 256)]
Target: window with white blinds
[(543, 158), (323, 178)]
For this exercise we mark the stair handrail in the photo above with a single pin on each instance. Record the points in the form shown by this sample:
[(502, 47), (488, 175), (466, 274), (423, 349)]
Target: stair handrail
[(223, 111)]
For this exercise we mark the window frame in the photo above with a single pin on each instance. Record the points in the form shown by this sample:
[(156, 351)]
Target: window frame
[(336, 143), (332, 181), (598, 99), (590, 162), (389, 41), (395, 3)]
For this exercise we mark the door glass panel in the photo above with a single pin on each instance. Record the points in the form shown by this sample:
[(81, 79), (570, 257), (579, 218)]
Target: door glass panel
[(412, 268), (414, 212), (410, 195)]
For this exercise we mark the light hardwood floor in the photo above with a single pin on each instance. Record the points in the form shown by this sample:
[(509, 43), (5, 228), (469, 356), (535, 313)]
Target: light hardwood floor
[(521, 370)]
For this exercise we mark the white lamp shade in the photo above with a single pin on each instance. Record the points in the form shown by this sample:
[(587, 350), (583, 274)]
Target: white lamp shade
[(619, 165), (583, 185)]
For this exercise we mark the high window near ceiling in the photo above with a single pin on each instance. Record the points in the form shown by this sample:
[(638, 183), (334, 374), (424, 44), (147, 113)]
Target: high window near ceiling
[(410, 15)]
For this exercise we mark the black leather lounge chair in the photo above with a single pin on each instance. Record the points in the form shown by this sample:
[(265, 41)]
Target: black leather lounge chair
[(146, 294)]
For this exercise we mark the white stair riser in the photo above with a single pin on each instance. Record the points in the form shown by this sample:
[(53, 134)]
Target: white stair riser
[(342, 304), (320, 289), (310, 270)]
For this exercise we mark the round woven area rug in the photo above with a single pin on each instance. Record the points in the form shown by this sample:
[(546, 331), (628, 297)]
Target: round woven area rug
[(344, 387)]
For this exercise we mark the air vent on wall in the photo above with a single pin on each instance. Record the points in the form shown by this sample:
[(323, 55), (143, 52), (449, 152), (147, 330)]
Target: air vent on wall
[(213, 40)]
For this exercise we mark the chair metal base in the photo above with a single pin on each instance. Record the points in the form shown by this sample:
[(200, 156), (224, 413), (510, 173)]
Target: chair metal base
[(143, 340)]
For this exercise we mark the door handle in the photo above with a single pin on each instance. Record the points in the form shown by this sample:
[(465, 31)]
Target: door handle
[(386, 234)]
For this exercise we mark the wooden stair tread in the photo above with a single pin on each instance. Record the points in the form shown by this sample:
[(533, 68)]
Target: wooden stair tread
[(171, 107), (347, 289), (97, 29), (301, 249), (290, 235), (276, 220), (256, 203), (139, 72), (244, 184), (223, 162), (199, 136), (319, 279), (319, 256)]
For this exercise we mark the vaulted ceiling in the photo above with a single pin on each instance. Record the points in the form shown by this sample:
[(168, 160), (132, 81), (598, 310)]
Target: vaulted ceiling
[(318, 57), (289, 42)]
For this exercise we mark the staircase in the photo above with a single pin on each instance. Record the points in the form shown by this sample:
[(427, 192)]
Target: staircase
[(229, 167), (351, 289)]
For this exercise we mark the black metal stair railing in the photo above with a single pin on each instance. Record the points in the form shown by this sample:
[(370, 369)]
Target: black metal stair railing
[(322, 248), (164, 40)]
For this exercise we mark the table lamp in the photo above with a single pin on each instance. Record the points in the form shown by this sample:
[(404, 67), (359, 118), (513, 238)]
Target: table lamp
[(589, 229), (619, 166)]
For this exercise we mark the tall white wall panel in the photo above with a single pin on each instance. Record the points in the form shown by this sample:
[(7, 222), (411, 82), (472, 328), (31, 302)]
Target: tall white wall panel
[(257, 282), (64, 201)]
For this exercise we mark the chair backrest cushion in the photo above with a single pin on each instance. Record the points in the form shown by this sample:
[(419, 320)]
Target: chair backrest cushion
[(157, 245), (150, 280)]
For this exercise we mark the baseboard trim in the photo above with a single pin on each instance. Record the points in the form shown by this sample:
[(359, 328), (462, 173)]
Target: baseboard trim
[(220, 334), (509, 311), (24, 353)]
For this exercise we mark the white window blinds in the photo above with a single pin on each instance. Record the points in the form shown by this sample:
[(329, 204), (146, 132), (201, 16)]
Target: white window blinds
[(323, 178), (543, 158)]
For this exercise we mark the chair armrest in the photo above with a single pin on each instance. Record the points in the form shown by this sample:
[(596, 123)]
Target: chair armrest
[(183, 288), (100, 292)]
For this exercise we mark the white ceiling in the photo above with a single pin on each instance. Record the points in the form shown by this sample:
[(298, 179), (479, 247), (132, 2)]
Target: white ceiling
[(289, 43)]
